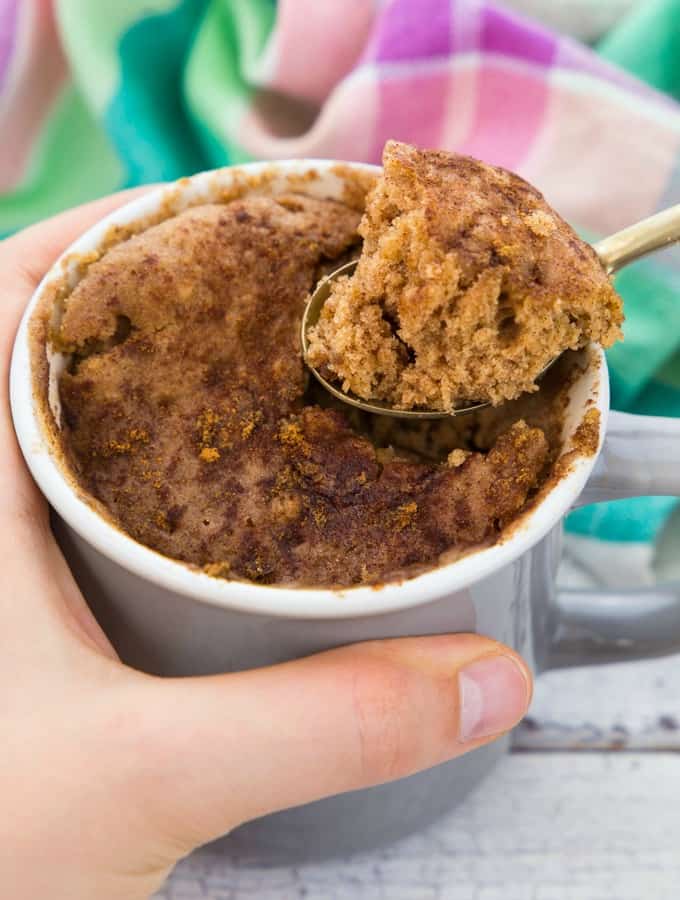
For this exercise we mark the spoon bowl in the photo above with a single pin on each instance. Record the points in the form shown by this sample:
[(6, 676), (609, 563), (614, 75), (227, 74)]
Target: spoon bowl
[(311, 317)]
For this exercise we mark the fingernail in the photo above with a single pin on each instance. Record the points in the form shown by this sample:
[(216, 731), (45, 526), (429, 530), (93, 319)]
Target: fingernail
[(494, 694)]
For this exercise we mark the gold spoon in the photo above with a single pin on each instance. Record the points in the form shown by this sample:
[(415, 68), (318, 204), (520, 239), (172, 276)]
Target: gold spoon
[(614, 252)]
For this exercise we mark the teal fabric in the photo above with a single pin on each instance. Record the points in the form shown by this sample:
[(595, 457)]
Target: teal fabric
[(645, 368), (146, 119), (647, 44)]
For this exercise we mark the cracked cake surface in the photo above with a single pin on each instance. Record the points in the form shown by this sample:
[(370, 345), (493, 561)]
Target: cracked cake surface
[(187, 415), (467, 286)]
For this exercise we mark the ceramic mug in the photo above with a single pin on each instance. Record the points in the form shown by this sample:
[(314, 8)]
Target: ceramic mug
[(168, 619)]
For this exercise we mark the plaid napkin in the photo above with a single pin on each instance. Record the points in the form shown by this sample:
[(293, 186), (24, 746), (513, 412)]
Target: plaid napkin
[(95, 97)]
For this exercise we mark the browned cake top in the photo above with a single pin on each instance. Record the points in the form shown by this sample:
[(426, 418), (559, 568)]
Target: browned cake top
[(185, 413), (467, 286)]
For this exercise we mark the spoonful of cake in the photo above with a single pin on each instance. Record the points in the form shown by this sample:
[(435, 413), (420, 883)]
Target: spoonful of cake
[(468, 287)]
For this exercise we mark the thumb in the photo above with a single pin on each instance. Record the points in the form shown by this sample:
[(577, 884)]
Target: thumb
[(234, 747)]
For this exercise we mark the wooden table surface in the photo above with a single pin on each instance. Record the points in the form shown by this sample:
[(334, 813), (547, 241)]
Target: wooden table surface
[(587, 807)]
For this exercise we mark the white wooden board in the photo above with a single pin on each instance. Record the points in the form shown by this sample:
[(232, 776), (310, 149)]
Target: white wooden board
[(624, 706), (544, 826)]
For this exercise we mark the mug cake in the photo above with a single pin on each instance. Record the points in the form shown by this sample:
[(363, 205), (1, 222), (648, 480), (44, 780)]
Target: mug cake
[(187, 417)]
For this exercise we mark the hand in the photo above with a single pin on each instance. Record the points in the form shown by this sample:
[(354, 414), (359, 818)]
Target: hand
[(108, 775)]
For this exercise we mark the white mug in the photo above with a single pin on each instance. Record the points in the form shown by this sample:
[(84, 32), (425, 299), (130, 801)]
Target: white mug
[(166, 618)]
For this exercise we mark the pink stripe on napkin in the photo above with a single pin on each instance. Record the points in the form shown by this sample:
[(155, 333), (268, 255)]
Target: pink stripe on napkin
[(510, 106), (410, 31), (412, 107), (30, 90), (604, 171), (344, 130), (8, 16), (311, 49)]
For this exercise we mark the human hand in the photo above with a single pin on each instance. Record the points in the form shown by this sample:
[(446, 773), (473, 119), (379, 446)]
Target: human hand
[(109, 775)]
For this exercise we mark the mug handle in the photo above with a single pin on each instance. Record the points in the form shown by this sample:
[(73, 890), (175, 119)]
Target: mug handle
[(640, 456)]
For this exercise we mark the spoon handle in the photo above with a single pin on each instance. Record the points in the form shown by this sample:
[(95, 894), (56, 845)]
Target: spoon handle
[(660, 230)]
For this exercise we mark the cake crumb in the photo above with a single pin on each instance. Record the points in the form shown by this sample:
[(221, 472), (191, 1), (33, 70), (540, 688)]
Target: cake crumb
[(290, 434), (586, 438), (249, 424), (220, 569), (404, 514), (540, 222), (320, 517), (457, 457)]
